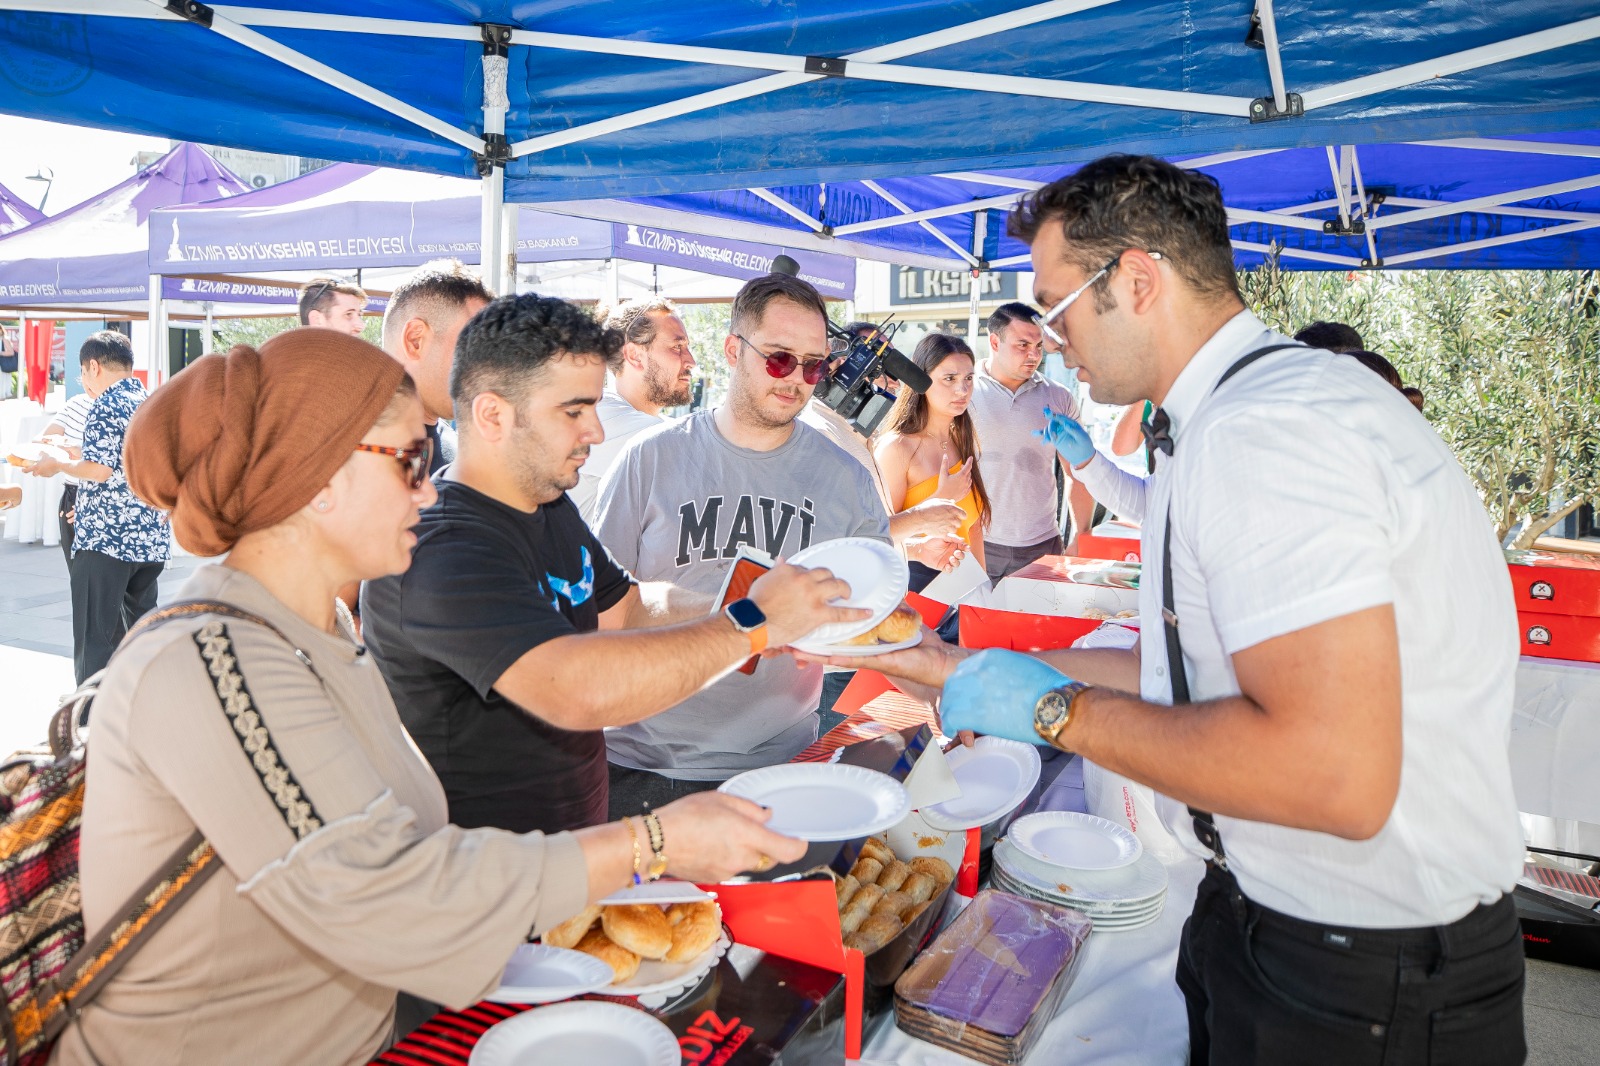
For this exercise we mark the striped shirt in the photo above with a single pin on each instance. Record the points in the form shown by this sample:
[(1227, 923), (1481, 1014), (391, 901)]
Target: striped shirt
[(71, 419), (1019, 470)]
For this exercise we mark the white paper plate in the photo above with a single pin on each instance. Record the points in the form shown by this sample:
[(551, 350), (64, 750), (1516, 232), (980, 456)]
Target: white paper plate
[(658, 892), (878, 578), (1139, 881), (865, 649), (1127, 919), (823, 801), (538, 973), (995, 775), (1120, 909), (1075, 841), (657, 981), (588, 1033)]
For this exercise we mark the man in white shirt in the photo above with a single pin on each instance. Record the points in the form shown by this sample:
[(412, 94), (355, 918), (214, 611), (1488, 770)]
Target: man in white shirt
[(1009, 399), (654, 370), (1339, 636)]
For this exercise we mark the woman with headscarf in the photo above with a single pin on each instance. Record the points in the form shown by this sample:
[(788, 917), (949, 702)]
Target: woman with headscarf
[(340, 879)]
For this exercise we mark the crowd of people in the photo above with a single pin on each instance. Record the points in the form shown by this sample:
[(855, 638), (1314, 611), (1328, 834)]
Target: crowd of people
[(468, 673)]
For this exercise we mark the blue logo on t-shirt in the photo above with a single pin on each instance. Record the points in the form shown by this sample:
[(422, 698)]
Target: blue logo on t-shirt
[(575, 593)]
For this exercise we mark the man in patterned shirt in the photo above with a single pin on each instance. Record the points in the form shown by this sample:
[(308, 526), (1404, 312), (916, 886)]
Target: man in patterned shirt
[(120, 545)]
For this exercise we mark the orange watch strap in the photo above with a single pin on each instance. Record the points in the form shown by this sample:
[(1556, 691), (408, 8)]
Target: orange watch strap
[(758, 639)]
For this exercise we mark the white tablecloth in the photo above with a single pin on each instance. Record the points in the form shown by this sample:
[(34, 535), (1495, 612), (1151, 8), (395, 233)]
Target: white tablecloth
[(34, 521)]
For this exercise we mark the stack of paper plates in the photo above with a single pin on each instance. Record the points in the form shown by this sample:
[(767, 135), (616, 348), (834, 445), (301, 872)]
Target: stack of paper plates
[(1124, 896)]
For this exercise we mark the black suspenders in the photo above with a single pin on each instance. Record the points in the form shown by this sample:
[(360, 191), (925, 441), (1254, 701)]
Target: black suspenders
[(1205, 828)]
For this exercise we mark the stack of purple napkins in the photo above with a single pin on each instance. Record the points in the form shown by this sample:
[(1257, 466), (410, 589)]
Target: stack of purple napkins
[(993, 980)]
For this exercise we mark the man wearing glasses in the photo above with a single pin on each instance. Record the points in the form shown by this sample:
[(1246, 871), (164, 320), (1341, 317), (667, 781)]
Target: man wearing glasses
[(329, 303), (684, 497), (1009, 400)]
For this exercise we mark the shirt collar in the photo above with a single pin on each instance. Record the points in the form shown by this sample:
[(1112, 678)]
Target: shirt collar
[(1239, 335), (133, 385), (983, 372)]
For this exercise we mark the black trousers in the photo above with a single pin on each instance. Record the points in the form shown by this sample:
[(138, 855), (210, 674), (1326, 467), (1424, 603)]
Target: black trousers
[(636, 791), (64, 516), (108, 597), (1262, 987)]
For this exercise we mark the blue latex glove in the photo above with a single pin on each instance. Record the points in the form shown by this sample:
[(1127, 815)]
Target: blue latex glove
[(1066, 437), (994, 692)]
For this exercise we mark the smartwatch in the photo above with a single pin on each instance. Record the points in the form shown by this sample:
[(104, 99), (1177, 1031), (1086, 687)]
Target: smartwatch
[(748, 619)]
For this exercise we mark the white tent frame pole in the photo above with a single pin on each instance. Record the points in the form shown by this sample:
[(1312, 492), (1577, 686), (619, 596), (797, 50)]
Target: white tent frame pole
[(1361, 198), (1491, 242), (1238, 216), (1269, 37), (1455, 63), (920, 216), (1462, 206), (1298, 253), (492, 223), (1517, 212), (787, 208), (1338, 188), (980, 234), (999, 182), (1011, 260), (156, 322), (1495, 144), (900, 206)]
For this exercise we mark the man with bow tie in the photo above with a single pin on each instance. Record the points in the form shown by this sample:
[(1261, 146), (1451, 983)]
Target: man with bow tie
[(1325, 682)]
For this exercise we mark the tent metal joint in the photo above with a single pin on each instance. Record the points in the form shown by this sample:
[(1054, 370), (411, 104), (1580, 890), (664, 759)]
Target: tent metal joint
[(1372, 264), (827, 66), (1265, 108), (496, 39), (496, 153), (1345, 227), (192, 11)]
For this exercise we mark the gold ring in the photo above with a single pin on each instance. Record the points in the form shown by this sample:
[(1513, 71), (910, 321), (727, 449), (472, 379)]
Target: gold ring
[(764, 863)]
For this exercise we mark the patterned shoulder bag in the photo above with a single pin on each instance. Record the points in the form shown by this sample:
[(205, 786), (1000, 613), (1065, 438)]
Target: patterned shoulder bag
[(48, 974)]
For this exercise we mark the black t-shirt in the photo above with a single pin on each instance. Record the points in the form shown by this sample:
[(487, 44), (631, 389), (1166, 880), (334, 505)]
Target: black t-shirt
[(487, 584)]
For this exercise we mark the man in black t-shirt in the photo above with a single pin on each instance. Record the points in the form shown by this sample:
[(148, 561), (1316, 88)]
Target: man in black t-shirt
[(515, 638)]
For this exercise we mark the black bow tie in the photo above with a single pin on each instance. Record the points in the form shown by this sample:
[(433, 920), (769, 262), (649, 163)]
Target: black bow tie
[(1156, 432)]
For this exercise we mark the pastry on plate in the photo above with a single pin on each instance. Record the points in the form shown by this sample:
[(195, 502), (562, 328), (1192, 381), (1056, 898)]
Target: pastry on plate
[(624, 963), (569, 932), (641, 928), (902, 624)]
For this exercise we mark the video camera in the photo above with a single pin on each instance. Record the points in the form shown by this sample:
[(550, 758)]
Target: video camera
[(851, 388), (860, 359)]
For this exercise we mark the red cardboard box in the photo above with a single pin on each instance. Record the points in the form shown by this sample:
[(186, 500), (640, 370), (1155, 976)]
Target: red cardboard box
[(1555, 583), (1559, 636), (985, 627), (1115, 541)]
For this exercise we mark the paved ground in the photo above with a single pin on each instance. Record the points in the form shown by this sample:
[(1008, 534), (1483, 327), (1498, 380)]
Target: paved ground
[(1562, 1004)]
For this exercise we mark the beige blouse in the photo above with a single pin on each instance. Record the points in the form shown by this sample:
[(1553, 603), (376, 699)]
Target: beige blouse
[(341, 879)]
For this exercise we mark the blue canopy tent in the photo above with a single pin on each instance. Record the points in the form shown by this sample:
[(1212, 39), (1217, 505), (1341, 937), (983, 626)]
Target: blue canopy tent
[(607, 98)]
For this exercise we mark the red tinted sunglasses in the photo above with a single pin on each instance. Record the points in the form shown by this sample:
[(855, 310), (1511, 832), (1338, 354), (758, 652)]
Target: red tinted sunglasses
[(415, 459), (783, 364)]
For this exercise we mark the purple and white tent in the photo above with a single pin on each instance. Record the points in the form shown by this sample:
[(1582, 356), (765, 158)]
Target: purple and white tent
[(15, 213), (350, 217)]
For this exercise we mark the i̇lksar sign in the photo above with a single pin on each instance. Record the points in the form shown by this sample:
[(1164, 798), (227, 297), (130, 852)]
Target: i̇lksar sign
[(913, 285)]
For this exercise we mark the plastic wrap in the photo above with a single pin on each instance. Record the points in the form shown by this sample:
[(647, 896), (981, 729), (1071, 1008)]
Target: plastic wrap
[(993, 980)]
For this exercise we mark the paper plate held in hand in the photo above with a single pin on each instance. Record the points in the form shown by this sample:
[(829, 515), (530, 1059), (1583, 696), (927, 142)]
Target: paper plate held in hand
[(995, 776), (658, 892), (878, 578), (588, 1033), (538, 973), (823, 801), (863, 650)]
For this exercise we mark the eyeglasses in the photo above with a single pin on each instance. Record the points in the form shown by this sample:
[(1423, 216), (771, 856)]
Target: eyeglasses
[(1060, 309), (416, 459), (783, 364)]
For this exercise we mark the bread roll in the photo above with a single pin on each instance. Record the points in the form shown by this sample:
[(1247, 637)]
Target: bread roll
[(873, 848), (624, 963), (844, 888), (895, 903), (874, 933), (641, 928), (894, 875), (903, 623), (854, 914), (934, 867), (920, 887), (695, 927), (569, 932), (866, 871), (916, 912), (869, 895)]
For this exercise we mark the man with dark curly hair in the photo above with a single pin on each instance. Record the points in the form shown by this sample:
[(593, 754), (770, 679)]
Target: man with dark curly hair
[(1328, 658), (503, 644)]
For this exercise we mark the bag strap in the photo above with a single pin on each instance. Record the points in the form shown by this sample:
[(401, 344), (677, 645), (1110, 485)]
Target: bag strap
[(1205, 826), (44, 1016)]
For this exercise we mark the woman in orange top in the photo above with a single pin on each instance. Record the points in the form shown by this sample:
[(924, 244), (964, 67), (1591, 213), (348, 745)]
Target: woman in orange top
[(928, 447)]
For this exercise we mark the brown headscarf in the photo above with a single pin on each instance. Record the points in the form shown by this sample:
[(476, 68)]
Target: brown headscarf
[(239, 442)]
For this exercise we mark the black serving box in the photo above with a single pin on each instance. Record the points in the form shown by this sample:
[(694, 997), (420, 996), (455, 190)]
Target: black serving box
[(1557, 931)]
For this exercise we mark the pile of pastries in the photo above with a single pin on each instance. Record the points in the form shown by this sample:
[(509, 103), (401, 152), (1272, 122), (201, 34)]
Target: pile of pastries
[(624, 935), (881, 895)]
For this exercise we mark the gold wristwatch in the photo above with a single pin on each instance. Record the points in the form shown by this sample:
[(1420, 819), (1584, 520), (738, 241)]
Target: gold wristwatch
[(1054, 710)]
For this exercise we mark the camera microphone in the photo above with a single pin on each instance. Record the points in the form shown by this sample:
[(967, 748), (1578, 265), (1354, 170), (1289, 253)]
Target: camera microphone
[(905, 371), (783, 264)]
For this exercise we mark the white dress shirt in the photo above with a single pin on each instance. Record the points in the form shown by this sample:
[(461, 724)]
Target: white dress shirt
[(1304, 490), (622, 422)]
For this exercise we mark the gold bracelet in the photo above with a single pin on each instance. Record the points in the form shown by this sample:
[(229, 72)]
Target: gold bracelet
[(658, 846), (638, 858)]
